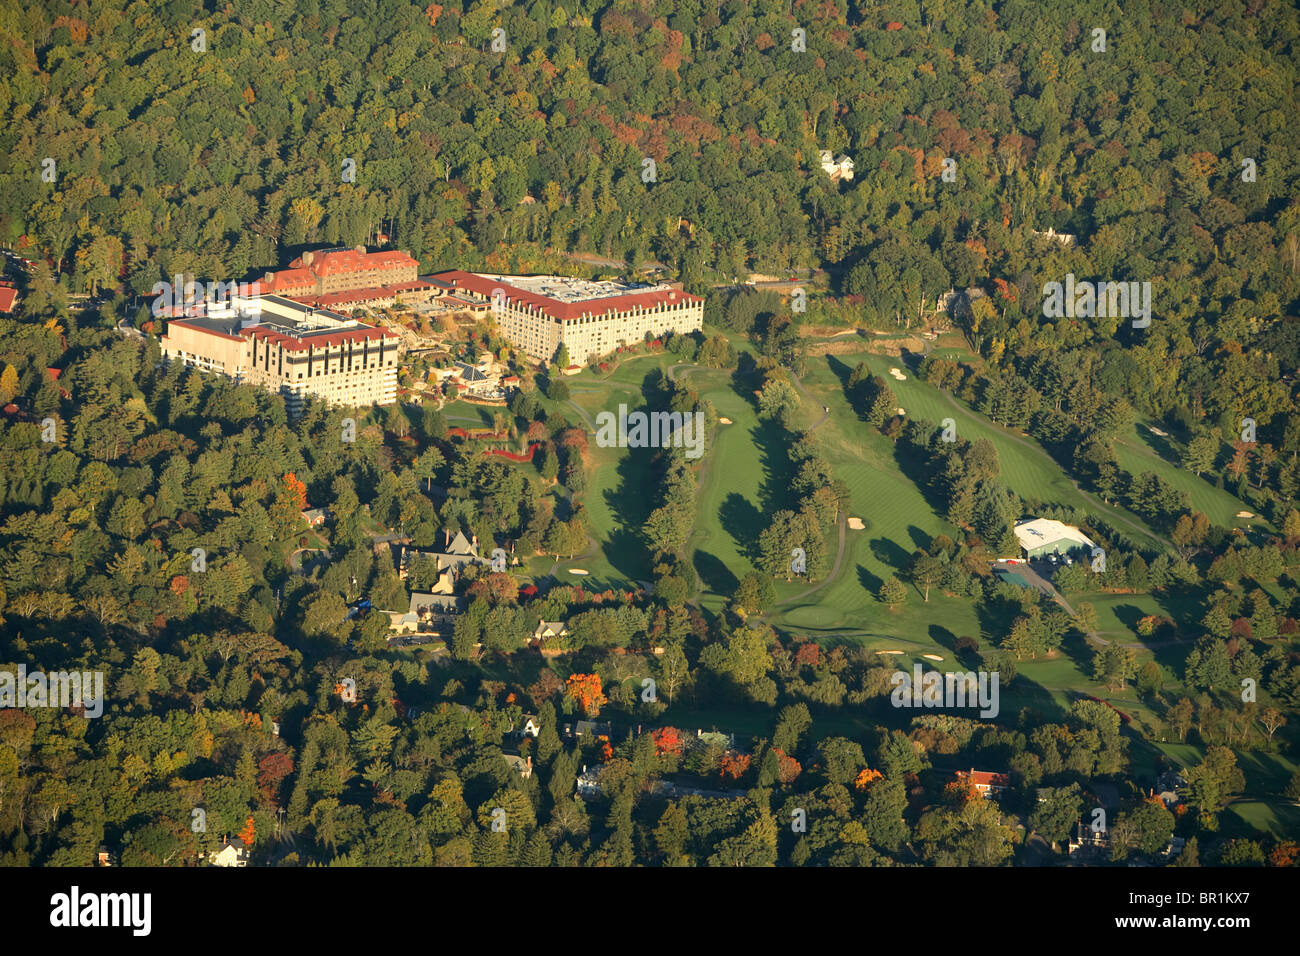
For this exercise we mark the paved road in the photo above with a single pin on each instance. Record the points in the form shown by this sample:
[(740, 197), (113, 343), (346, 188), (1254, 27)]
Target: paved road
[(129, 330)]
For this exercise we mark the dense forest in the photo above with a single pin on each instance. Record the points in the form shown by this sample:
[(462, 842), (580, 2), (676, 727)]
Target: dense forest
[(134, 149), (226, 162)]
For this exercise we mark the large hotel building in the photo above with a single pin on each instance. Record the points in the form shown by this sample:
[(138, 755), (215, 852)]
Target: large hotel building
[(290, 348), (537, 313), (281, 334)]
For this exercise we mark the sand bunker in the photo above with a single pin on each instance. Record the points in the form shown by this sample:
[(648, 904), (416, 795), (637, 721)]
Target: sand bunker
[(889, 652), (898, 374), (577, 571), (724, 421), (932, 657), (856, 524), (1244, 514), (902, 411)]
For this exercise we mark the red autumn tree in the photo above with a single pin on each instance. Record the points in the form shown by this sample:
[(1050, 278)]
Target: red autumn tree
[(248, 834), (271, 771), (573, 438), (809, 655), (960, 791), (668, 740)]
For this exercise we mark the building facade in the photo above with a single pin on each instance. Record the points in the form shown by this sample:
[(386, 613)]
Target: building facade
[(293, 349), (539, 313), (329, 271)]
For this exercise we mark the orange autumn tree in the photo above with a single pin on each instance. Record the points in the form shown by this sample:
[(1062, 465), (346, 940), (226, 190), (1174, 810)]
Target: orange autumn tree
[(248, 834), (297, 490), (867, 777), (733, 765), (1284, 854), (587, 690)]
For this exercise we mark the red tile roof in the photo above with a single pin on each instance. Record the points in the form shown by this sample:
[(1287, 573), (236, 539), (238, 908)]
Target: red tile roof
[(349, 260), (985, 778), (8, 296), (566, 310), (287, 279)]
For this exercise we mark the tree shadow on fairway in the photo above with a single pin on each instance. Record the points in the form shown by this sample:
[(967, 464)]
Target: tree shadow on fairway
[(1129, 615), (773, 444), (995, 617), (869, 581), (888, 552), (840, 370), (919, 468), (1161, 446), (919, 538), (1024, 693), (1078, 650), (715, 575), (632, 501), (740, 519), (943, 637)]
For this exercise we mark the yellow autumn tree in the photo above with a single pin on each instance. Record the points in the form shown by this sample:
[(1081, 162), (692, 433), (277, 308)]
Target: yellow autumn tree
[(8, 384)]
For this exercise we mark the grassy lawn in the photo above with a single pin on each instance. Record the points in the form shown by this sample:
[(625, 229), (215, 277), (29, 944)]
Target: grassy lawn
[(468, 415), (1026, 468), (1118, 614), (734, 493), (1250, 818), (1141, 450)]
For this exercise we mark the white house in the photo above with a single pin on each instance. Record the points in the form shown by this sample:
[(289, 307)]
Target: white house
[(838, 168), (233, 852), (1064, 238), (549, 631)]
